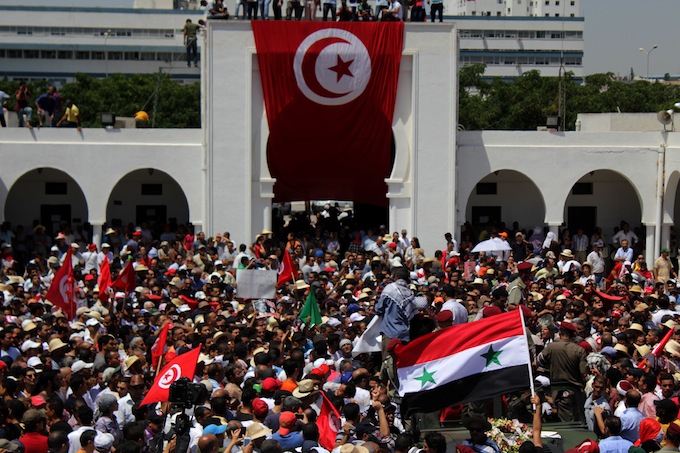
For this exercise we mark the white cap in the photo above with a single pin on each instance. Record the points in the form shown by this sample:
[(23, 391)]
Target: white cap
[(34, 362), (355, 317), (92, 322), (103, 441), (30, 344), (79, 365)]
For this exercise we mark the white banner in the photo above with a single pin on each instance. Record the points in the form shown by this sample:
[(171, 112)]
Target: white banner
[(254, 284)]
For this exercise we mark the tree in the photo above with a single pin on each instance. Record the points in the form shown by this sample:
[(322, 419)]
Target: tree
[(178, 106)]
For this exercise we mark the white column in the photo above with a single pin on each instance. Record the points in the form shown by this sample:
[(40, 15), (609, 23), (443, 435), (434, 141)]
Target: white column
[(97, 233), (650, 253), (555, 227), (665, 236)]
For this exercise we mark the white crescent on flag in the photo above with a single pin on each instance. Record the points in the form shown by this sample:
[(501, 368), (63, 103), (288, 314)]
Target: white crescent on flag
[(332, 66)]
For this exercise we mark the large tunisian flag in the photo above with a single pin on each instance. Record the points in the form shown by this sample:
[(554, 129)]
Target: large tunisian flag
[(329, 91)]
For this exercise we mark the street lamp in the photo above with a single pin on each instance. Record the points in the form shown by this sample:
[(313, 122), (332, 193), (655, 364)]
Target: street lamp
[(642, 49), (107, 33)]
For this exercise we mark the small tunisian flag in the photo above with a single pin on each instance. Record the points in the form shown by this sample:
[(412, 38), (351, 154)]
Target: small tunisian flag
[(337, 83), (183, 366), (287, 270), (158, 347), (62, 291), (104, 281), (462, 363), (126, 280), (329, 423)]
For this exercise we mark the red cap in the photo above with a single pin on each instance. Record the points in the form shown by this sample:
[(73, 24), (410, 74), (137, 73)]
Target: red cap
[(89, 277), (137, 233), (171, 272), (491, 310), (287, 422), (585, 345), (260, 408), (567, 326), (392, 245), (526, 311), (271, 384), (444, 316), (38, 400), (524, 266)]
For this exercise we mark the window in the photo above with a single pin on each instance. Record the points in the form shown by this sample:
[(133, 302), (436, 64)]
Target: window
[(134, 56), (573, 3), (64, 54), (148, 56), (82, 55), (582, 188), (547, 2), (487, 188), (97, 55), (152, 189), (115, 55), (31, 54), (13, 53), (48, 54), (55, 188), (557, 3)]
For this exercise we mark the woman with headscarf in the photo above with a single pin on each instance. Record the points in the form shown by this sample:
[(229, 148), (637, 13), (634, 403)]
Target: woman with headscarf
[(106, 420), (651, 435)]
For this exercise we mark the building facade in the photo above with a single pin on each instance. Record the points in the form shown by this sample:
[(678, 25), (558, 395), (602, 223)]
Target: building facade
[(218, 179)]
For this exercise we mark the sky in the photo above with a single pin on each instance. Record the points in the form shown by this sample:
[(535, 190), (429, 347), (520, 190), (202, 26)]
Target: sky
[(616, 29)]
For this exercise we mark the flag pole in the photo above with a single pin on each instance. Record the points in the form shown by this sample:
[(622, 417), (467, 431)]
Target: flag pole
[(531, 371)]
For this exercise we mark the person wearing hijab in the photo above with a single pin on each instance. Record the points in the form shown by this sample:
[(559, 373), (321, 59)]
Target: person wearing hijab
[(106, 419)]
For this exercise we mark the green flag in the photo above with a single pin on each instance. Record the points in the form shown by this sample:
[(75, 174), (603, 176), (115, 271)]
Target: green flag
[(311, 310)]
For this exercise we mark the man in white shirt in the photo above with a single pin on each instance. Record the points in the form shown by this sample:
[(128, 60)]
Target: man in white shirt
[(460, 313), (596, 260), (625, 234)]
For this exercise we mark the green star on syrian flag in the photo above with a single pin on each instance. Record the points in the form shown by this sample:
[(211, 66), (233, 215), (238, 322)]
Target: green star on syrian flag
[(491, 356), (426, 377)]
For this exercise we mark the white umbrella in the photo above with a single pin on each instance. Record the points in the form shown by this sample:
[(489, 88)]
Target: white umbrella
[(492, 245)]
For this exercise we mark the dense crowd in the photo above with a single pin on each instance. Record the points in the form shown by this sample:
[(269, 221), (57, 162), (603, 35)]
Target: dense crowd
[(75, 384)]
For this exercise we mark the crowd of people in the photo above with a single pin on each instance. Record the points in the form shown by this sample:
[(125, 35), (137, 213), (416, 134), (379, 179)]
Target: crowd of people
[(325, 10), (603, 342), (51, 109)]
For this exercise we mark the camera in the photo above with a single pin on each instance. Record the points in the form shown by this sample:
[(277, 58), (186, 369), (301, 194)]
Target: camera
[(186, 393)]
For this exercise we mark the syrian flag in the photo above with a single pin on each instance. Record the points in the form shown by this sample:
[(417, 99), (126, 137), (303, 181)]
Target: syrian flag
[(182, 366), (104, 281), (287, 270), (126, 280), (158, 347), (62, 291), (467, 362), (338, 77), (328, 422)]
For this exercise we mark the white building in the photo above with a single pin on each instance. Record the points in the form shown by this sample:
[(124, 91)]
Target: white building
[(511, 46), (218, 179), (55, 42), (145, 36), (517, 8)]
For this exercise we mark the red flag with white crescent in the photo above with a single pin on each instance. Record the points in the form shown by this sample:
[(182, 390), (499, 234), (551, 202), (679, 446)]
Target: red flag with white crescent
[(62, 289), (126, 280), (338, 80), (329, 423), (104, 280), (287, 270), (182, 366)]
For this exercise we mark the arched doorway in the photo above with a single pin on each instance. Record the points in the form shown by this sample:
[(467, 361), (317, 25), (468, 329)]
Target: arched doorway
[(49, 197), (503, 198), (604, 199), (147, 196)]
